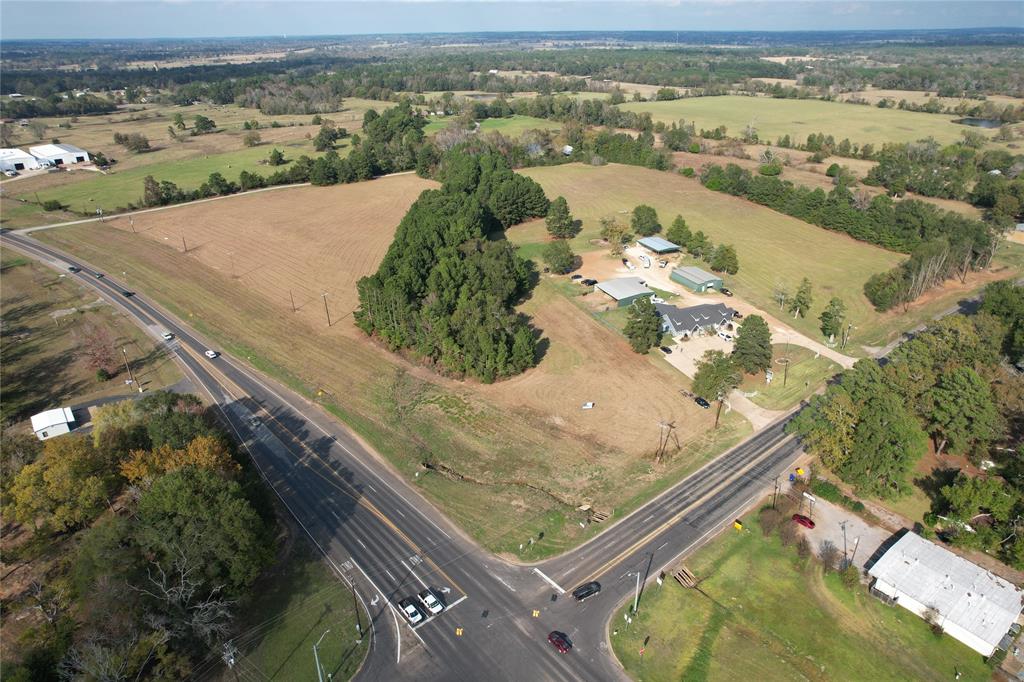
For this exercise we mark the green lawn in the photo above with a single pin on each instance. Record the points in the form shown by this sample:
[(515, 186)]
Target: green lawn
[(119, 188), (514, 126), (766, 616), (806, 374), (774, 249), (797, 118), (295, 606)]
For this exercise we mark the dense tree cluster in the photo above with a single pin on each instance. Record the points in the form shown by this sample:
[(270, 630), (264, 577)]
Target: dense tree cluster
[(153, 582), (947, 384), (55, 105), (445, 291)]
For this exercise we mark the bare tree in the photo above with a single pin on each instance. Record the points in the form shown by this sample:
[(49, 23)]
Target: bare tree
[(829, 555), (50, 604), (98, 349)]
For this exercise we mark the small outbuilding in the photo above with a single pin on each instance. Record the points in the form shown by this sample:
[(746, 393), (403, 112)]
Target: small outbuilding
[(53, 423), (59, 154), (966, 601), (625, 290), (658, 245), (698, 320), (696, 279), (17, 160)]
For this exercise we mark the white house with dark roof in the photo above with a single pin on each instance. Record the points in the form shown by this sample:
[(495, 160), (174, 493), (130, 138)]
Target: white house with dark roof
[(966, 601), (707, 318)]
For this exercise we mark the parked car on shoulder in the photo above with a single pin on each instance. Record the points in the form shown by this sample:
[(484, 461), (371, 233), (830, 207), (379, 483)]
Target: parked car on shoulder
[(804, 521), (703, 403)]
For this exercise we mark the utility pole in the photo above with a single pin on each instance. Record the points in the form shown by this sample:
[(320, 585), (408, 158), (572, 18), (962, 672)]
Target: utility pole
[(718, 412), (359, 621), (636, 598), (846, 557), (316, 657), (326, 310), (124, 351), (184, 246), (131, 223), (775, 495)]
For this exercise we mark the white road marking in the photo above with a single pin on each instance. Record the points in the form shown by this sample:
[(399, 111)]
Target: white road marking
[(360, 543), (413, 573), (661, 547), (548, 580), (390, 576), (456, 602), (502, 581), (335, 515), (648, 518)]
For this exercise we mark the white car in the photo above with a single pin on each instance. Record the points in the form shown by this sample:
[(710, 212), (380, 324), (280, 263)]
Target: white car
[(167, 336), (211, 354), (11, 173), (725, 335), (432, 603), (411, 611), (657, 299)]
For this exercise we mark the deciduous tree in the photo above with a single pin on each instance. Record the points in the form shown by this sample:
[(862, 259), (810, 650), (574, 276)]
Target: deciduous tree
[(752, 351), (559, 256), (643, 328), (800, 304), (645, 221), (832, 318)]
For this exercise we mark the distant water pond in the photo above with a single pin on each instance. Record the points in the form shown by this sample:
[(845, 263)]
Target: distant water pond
[(979, 122)]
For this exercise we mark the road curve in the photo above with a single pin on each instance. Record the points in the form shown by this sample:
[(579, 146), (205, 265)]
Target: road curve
[(381, 536)]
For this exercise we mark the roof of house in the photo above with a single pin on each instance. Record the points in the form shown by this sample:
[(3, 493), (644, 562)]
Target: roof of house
[(17, 153), (704, 315), (624, 287), (55, 150), (51, 418), (962, 592), (658, 244), (696, 275)]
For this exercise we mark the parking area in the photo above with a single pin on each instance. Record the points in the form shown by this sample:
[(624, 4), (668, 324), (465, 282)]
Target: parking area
[(685, 354)]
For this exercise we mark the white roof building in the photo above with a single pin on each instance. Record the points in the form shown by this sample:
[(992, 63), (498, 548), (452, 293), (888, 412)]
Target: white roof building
[(625, 290), (52, 422), (17, 160), (966, 601), (59, 154)]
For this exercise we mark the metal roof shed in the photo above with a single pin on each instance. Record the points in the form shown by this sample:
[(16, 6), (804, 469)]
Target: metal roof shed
[(625, 290), (696, 279), (966, 601), (52, 422), (658, 245)]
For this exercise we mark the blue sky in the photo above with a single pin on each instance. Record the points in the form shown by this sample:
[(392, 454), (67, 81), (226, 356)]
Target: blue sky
[(206, 18)]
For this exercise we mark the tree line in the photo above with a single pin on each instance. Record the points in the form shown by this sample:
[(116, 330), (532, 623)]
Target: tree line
[(446, 289), (170, 532), (947, 385)]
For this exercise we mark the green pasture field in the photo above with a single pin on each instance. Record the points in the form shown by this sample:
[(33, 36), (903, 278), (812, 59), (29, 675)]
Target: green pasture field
[(514, 126), (774, 118)]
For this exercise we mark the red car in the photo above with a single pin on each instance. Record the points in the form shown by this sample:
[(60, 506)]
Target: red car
[(560, 641), (803, 520)]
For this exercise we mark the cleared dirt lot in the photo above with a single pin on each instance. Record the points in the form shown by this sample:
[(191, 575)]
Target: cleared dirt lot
[(523, 446)]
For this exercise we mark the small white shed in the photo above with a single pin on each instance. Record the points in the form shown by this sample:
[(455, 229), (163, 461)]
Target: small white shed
[(53, 422), (59, 154)]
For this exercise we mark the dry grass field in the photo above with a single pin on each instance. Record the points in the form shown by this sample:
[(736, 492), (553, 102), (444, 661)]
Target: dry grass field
[(875, 95), (524, 445)]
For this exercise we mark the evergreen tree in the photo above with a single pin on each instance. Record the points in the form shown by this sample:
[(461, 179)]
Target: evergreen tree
[(725, 260), (832, 318), (276, 157), (645, 221), (559, 257), (559, 221), (643, 328), (697, 244), (678, 233), (802, 299), (752, 351), (964, 415)]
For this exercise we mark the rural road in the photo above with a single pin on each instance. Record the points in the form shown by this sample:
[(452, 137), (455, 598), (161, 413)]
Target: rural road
[(384, 538)]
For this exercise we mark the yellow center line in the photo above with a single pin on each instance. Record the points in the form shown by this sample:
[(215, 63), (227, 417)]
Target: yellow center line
[(340, 484), (703, 498)]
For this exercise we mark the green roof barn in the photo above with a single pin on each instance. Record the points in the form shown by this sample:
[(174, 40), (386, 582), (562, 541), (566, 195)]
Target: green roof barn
[(696, 279)]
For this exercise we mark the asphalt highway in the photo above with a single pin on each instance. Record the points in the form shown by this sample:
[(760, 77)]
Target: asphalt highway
[(383, 538)]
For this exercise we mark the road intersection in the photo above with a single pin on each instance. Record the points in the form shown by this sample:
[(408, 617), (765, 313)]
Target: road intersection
[(387, 541)]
